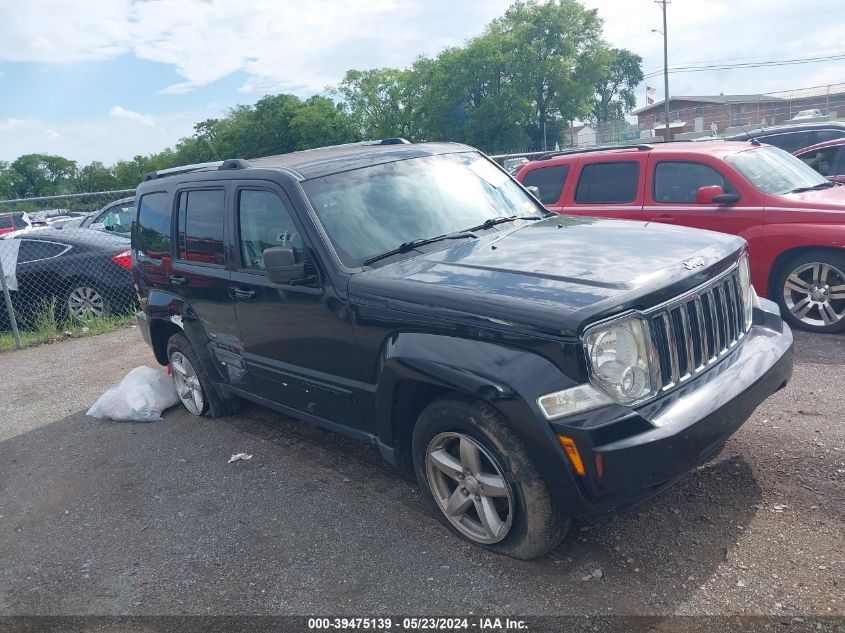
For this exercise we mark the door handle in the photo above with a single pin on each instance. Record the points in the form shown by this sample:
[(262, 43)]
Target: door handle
[(177, 281), (240, 293)]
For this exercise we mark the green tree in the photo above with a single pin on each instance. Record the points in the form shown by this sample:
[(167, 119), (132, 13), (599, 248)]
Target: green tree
[(615, 96), (94, 177), (381, 102), (555, 59), (320, 121), (6, 189), (40, 175)]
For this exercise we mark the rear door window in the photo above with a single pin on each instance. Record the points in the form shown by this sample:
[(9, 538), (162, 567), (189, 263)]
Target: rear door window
[(202, 215), (605, 183), (549, 180), (154, 225), (678, 181), (5, 222)]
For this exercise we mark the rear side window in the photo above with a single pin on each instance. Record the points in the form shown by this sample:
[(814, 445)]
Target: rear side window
[(35, 250), (201, 218), (154, 225), (678, 181), (5, 222), (549, 180), (608, 183)]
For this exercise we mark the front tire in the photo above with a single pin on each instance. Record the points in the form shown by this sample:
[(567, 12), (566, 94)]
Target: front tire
[(193, 385), (478, 479), (811, 291)]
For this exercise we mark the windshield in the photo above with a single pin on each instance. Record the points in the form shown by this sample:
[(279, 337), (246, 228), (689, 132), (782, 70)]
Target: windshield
[(772, 170), (370, 211)]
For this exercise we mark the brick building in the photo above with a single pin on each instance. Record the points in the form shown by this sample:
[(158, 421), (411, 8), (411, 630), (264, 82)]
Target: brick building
[(700, 113)]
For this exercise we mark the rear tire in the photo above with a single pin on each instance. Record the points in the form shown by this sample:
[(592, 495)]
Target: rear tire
[(810, 290), (478, 479), (192, 376), (84, 300)]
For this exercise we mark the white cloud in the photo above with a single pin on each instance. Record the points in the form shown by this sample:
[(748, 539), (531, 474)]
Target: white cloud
[(11, 123), (105, 139), (117, 112), (61, 31), (278, 44)]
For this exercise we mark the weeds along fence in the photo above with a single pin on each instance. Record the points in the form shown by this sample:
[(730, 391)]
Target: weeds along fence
[(64, 265)]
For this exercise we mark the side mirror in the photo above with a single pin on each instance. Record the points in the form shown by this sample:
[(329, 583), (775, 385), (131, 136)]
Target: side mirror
[(280, 265), (534, 191), (714, 194)]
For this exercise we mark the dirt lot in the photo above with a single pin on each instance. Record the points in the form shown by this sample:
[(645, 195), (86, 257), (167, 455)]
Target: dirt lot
[(116, 518)]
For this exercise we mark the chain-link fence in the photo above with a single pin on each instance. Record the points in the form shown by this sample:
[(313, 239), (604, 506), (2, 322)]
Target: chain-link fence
[(65, 264)]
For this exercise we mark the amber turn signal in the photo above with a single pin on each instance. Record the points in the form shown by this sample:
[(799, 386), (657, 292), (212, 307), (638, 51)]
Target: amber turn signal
[(572, 453)]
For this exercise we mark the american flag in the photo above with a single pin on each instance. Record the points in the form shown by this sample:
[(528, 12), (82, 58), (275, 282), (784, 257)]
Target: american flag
[(650, 90)]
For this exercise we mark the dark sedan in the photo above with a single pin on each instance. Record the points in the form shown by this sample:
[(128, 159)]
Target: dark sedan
[(85, 272)]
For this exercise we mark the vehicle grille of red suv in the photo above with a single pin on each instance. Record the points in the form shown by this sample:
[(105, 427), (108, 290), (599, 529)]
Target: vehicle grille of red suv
[(693, 331)]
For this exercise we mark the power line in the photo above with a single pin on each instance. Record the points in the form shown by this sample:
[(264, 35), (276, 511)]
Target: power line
[(782, 62), (748, 59)]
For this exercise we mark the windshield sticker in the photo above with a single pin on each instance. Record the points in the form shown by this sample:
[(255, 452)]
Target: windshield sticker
[(488, 172)]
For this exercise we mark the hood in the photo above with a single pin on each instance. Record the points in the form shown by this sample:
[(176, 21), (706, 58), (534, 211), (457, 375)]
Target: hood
[(831, 199), (555, 275)]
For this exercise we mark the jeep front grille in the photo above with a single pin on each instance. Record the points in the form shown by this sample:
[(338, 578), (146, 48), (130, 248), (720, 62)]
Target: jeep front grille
[(692, 332)]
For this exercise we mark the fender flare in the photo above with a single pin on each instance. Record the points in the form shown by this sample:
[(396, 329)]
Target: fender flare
[(508, 378)]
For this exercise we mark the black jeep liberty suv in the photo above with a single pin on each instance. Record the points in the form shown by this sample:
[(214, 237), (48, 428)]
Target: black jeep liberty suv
[(527, 369)]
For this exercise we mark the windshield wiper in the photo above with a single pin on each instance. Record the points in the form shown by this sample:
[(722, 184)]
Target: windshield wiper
[(821, 185), (410, 245), (489, 224)]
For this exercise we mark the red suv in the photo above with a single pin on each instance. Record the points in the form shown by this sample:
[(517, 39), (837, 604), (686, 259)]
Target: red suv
[(792, 217)]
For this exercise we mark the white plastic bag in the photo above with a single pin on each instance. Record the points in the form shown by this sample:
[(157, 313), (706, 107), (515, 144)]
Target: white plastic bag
[(141, 396)]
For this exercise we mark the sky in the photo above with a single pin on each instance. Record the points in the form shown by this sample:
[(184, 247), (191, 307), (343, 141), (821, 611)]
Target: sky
[(110, 79)]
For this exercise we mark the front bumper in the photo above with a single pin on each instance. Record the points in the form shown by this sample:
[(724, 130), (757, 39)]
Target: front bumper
[(669, 437)]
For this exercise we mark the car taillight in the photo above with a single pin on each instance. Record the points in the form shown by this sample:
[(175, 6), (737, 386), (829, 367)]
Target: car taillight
[(124, 259)]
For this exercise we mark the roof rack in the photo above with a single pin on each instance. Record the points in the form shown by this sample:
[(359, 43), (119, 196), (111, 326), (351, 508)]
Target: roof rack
[(585, 150), (232, 163)]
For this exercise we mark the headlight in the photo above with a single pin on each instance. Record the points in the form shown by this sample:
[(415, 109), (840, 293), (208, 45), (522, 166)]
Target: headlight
[(619, 355), (749, 297)]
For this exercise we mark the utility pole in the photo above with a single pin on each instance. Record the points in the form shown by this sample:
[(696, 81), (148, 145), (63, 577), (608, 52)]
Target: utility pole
[(663, 4)]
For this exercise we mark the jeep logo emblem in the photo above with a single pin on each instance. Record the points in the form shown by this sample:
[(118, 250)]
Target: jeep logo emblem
[(695, 262)]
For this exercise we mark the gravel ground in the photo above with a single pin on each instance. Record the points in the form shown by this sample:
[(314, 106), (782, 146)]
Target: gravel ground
[(121, 518)]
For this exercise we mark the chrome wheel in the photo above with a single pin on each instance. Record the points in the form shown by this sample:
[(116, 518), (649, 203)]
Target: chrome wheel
[(814, 293), (85, 302), (469, 487), (187, 383)]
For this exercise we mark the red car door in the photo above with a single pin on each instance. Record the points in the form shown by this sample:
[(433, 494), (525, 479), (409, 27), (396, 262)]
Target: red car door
[(607, 185), (671, 188)]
